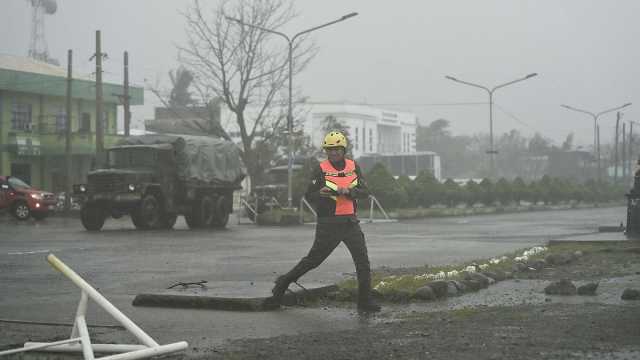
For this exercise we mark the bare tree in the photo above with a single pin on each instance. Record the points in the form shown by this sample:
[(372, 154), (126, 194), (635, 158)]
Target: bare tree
[(244, 66)]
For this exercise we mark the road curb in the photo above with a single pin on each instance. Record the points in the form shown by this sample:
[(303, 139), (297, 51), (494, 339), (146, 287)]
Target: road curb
[(291, 298), (589, 242)]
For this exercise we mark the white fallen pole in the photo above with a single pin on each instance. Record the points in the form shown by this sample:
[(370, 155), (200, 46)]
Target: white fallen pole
[(38, 346), (97, 348), (148, 352), (100, 300)]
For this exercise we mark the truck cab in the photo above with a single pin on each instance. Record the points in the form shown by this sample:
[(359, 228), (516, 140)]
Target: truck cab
[(138, 180)]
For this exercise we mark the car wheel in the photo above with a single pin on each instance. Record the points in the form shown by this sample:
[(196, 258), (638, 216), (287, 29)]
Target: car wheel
[(20, 210), (92, 217)]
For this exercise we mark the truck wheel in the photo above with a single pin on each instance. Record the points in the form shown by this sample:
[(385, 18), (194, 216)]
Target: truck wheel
[(149, 213), (221, 217), (202, 213), (92, 217), (168, 221), (40, 215), (20, 210), (207, 211)]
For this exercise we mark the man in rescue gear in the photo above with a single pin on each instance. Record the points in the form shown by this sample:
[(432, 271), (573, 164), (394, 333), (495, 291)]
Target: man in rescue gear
[(334, 187)]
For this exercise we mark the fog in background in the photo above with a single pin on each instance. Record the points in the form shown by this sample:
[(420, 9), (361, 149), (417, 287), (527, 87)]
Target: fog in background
[(397, 54)]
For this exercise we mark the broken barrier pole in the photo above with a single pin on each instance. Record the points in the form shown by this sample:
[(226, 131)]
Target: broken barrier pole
[(80, 339)]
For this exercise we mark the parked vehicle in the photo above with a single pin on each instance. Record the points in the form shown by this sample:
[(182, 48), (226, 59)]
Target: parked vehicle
[(24, 201), (155, 178), (272, 192)]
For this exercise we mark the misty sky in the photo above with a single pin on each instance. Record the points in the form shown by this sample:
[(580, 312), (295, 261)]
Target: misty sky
[(398, 53)]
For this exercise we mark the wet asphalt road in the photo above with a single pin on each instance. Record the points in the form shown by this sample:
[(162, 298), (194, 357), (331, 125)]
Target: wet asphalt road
[(122, 262)]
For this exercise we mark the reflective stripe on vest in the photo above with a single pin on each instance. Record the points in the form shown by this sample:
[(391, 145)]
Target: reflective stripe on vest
[(344, 178)]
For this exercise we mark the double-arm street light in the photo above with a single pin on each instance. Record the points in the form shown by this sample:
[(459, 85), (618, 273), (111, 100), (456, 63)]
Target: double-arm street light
[(290, 41), (491, 150), (595, 116)]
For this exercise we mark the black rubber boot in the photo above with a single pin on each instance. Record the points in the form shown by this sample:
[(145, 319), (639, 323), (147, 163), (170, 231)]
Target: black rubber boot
[(281, 286), (366, 304)]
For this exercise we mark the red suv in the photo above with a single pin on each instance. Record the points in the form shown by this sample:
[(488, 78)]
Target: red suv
[(23, 201)]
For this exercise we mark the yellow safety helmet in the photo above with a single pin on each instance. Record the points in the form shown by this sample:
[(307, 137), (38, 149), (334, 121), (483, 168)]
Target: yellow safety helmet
[(334, 139)]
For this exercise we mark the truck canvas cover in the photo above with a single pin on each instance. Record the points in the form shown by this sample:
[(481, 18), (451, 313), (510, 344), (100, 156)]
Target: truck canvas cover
[(199, 158)]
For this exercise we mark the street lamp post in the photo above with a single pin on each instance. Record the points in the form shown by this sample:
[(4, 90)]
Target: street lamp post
[(595, 116), (290, 41), (491, 150)]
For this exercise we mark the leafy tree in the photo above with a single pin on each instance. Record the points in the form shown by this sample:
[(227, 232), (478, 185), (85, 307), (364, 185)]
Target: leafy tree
[(472, 193), (568, 142), (410, 188), (487, 196), (539, 145), (503, 191), (452, 193), (518, 190), (428, 189), (385, 188), (455, 157)]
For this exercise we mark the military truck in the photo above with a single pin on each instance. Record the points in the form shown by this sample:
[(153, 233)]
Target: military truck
[(156, 178)]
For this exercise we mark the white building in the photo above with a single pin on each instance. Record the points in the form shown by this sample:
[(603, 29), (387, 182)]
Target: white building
[(373, 130)]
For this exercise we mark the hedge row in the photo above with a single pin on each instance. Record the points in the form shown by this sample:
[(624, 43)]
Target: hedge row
[(426, 191)]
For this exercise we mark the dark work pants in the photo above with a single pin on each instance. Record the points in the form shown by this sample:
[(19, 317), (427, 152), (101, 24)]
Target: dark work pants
[(328, 237)]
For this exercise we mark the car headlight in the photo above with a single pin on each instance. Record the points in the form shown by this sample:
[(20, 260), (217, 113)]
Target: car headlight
[(132, 187), (82, 188), (36, 196)]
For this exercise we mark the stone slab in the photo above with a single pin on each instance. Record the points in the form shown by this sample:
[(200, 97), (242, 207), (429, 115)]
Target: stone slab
[(229, 298)]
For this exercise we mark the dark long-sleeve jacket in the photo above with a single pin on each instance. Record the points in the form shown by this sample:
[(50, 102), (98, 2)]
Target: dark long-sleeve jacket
[(326, 207)]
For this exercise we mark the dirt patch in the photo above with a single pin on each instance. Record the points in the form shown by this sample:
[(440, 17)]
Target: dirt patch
[(511, 319)]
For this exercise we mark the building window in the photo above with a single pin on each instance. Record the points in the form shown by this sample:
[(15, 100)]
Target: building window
[(61, 121), (364, 138), (21, 117), (85, 123), (370, 140), (356, 142)]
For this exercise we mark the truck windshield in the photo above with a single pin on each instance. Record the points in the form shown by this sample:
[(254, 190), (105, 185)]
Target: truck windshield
[(132, 158), (277, 176)]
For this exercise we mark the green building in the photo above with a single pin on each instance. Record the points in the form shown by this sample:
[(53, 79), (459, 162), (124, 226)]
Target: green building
[(33, 121)]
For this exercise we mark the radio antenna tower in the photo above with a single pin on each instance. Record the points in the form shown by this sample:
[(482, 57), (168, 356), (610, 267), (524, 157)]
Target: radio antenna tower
[(38, 43)]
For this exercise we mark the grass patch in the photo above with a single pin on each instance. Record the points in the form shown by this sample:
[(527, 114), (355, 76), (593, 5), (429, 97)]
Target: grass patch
[(408, 281), (464, 313)]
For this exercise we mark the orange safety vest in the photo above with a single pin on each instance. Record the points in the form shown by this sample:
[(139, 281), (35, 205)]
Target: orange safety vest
[(346, 177)]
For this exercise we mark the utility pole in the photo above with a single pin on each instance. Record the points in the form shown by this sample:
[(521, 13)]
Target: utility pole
[(99, 100), (598, 151), (624, 152), (67, 134), (127, 110), (615, 150), (631, 157)]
